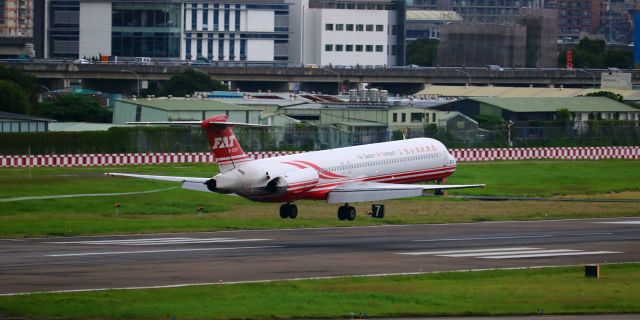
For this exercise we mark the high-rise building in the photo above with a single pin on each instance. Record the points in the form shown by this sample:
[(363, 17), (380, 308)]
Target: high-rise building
[(578, 17), (16, 18)]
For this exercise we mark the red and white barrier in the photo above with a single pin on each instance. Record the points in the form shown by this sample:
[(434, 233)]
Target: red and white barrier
[(488, 154), (558, 153)]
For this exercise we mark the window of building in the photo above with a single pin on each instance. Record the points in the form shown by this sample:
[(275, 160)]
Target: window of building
[(369, 27), (339, 27), (404, 117), (237, 18), (379, 28), (205, 16), (433, 117), (395, 117), (226, 17), (359, 27), (379, 48), (393, 50), (348, 48), (368, 48), (349, 27), (328, 27), (416, 117), (328, 47), (394, 29), (359, 48), (339, 47), (216, 17), (194, 14)]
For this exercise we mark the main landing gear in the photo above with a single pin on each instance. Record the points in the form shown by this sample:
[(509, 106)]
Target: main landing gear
[(288, 210), (347, 212)]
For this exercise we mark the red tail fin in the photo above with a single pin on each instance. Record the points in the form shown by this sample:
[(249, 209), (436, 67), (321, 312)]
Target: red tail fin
[(226, 149)]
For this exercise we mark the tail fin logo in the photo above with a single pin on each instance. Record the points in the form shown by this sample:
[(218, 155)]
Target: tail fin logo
[(223, 142)]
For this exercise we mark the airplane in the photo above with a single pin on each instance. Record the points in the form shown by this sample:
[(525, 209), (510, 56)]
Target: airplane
[(377, 171)]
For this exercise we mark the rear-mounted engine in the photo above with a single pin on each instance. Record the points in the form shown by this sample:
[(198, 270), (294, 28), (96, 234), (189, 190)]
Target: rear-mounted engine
[(293, 182)]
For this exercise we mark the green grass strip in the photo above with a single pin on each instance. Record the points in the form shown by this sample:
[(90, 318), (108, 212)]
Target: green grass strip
[(175, 210), (559, 290)]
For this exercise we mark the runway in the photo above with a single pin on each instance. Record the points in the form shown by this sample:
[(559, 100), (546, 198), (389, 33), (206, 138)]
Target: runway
[(176, 259)]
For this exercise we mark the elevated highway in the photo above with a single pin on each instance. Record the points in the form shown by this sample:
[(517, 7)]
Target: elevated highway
[(282, 78)]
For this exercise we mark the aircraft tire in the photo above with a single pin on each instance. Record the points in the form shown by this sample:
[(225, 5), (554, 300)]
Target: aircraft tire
[(350, 213), (342, 213), (284, 211), (293, 211)]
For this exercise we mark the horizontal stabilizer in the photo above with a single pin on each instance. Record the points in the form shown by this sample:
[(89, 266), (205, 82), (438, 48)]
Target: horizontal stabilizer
[(196, 186), (161, 178), (372, 191)]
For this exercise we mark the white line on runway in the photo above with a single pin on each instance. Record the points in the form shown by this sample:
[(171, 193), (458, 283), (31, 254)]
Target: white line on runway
[(621, 222), (420, 253), (579, 253), (158, 241), (506, 253), (155, 251), (516, 237)]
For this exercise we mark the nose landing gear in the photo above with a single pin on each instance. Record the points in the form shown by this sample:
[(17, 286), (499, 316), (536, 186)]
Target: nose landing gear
[(347, 212)]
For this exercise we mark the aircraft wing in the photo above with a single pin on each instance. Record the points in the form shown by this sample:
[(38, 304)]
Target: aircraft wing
[(370, 191)]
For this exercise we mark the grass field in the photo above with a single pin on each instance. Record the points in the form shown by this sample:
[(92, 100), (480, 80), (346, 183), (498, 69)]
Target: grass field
[(175, 209), (508, 292)]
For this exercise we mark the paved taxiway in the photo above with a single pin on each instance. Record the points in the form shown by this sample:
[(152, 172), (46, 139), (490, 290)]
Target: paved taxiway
[(80, 263)]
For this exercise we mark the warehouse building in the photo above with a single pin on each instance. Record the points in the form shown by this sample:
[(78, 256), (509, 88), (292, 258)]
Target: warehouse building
[(180, 109)]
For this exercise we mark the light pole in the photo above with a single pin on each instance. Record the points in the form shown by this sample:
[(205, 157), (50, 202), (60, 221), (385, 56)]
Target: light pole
[(339, 79), (48, 91), (137, 80), (40, 98), (467, 74), (593, 76)]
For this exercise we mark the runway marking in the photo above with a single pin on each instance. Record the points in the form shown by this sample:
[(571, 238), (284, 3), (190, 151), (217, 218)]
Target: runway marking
[(515, 237), (157, 241), (434, 253), (156, 251), (506, 253), (558, 254), (621, 222)]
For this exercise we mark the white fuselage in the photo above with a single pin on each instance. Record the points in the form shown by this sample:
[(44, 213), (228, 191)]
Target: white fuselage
[(312, 175)]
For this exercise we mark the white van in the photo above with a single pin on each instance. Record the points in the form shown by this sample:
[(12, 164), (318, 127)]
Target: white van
[(143, 60)]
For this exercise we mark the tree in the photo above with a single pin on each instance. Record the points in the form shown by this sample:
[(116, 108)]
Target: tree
[(13, 98), (608, 94), (563, 117), (189, 82), (27, 83), (422, 52), (76, 107), (593, 54)]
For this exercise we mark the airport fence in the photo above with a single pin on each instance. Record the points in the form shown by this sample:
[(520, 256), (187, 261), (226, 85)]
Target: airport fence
[(463, 155), (121, 140)]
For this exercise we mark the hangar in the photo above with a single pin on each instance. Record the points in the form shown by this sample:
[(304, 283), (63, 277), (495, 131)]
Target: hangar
[(177, 109), (521, 110)]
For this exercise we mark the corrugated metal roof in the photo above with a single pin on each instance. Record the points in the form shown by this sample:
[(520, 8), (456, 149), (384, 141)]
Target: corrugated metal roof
[(362, 124), (574, 104), (181, 104), (433, 15), (473, 91), (22, 117), (81, 126)]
